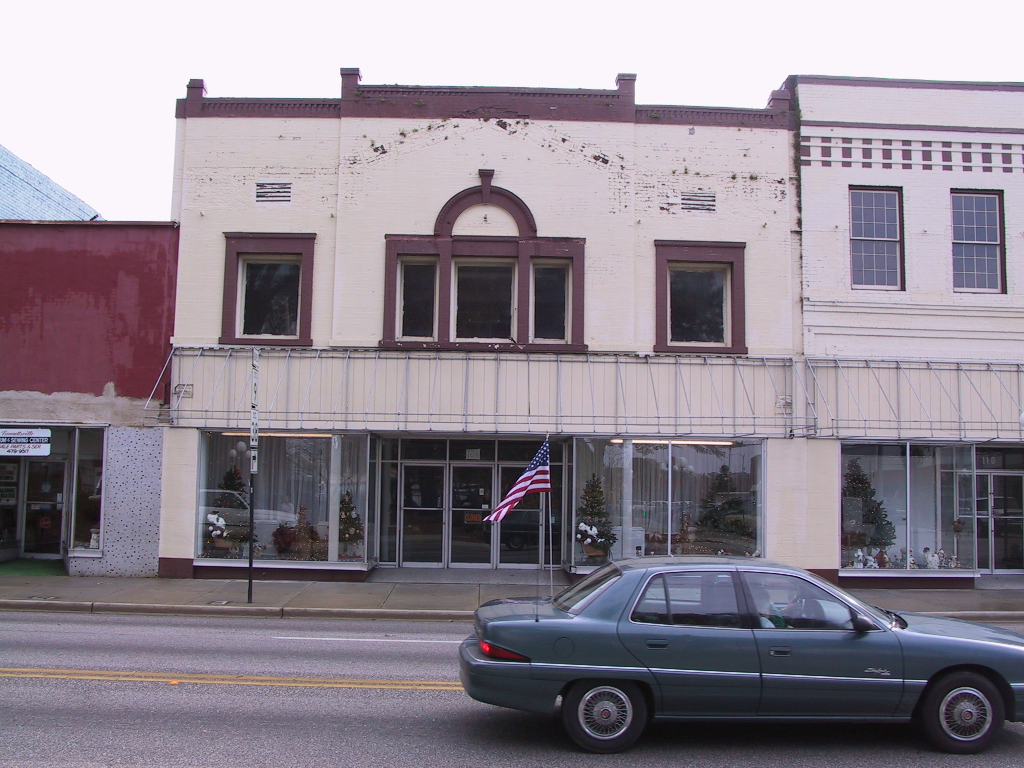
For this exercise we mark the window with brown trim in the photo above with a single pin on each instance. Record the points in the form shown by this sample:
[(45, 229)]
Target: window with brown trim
[(477, 292), (268, 285), (699, 305)]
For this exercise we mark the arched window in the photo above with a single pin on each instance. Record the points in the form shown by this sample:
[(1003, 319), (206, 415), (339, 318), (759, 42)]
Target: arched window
[(484, 280)]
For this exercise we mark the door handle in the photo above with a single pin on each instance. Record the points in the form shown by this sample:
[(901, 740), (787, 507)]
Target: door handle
[(655, 645), (779, 650)]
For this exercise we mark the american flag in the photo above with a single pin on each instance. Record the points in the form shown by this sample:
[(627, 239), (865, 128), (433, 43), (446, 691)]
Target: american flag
[(536, 479)]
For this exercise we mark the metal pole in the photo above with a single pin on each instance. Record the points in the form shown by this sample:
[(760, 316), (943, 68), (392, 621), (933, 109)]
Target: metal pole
[(254, 443)]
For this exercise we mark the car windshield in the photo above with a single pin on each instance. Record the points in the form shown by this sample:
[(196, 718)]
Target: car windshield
[(572, 596), (870, 610)]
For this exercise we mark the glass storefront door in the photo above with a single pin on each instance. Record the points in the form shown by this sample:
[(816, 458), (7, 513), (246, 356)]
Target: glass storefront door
[(436, 492), (471, 501), (520, 532), (44, 508), (423, 515), (1000, 505)]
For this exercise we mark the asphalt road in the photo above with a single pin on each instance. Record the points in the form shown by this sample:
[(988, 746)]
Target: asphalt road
[(194, 691)]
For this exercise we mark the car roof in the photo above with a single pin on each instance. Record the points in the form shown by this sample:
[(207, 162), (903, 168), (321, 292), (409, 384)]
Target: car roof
[(669, 561)]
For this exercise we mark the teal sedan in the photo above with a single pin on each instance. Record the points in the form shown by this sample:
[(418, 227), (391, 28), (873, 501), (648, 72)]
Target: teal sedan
[(702, 638)]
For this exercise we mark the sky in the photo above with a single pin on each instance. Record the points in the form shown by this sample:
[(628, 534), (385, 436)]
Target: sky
[(87, 90)]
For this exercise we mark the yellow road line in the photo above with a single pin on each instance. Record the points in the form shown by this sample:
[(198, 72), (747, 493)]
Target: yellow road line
[(177, 679)]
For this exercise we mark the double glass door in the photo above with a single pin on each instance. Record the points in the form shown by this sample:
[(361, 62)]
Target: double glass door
[(1000, 505), (442, 518)]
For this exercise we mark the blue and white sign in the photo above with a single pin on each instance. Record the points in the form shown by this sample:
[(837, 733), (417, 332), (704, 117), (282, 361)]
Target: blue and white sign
[(24, 442)]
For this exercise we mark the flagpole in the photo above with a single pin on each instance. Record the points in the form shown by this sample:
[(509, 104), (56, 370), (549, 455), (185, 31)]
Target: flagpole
[(550, 542)]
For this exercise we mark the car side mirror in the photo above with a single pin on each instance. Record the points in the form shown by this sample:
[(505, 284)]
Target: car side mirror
[(862, 623)]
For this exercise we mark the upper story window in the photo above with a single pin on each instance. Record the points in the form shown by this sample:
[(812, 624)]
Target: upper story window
[(268, 283), (419, 300), (491, 284), (485, 300), (699, 306), (270, 296), (977, 242), (876, 233)]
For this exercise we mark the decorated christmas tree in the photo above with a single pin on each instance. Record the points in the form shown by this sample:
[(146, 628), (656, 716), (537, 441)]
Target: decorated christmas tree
[(880, 530), (721, 501), (593, 529), (350, 525), (232, 483)]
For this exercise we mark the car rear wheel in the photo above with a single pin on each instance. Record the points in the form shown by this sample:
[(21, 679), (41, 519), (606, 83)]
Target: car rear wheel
[(604, 716), (962, 713)]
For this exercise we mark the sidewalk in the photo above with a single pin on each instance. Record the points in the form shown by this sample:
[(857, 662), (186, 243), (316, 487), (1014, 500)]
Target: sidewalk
[(405, 593), (443, 595)]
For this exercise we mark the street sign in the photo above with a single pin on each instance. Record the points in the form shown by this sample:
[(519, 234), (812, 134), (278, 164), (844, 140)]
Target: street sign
[(24, 442)]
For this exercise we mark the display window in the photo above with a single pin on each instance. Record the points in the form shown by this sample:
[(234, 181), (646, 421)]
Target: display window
[(908, 507), (637, 497), (310, 500)]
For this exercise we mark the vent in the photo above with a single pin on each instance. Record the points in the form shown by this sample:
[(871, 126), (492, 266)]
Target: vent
[(273, 191), (697, 201)]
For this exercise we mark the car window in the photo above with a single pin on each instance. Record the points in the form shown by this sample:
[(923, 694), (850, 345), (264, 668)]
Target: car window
[(571, 597), (703, 599), (652, 607), (698, 599), (784, 601)]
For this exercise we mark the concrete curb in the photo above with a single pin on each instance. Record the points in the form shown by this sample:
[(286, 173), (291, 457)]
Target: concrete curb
[(260, 611), (265, 611), (62, 606), (1002, 616), (376, 613), (395, 614)]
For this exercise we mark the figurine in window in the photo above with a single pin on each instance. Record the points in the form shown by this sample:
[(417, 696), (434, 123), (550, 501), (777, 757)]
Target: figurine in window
[(911, 562), (858, 559), (931, 559), (882, 559)]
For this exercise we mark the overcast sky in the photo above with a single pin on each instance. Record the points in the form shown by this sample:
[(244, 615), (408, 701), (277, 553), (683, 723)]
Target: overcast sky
[(88, 89)]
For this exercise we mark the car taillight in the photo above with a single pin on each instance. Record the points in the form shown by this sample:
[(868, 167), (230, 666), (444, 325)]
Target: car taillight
[(497, 652)]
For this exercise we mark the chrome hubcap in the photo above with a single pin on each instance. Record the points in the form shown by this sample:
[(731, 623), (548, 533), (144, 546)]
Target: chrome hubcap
[(965, 714), (605, 712)]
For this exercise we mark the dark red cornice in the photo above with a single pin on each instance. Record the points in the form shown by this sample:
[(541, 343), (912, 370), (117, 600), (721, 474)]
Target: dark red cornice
[(441, 102)]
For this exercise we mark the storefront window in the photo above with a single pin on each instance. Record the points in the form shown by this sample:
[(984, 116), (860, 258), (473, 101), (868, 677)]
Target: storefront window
[(881, 531), (9, 471), (292, 512), (658, 497), (88, 490), (941, 512), (352, 500)]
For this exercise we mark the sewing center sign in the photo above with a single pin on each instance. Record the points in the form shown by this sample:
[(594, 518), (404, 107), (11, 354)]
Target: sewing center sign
[(24, 442)]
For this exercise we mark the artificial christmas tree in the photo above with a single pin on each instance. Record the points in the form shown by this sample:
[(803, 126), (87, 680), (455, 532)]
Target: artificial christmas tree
[(879, 531), (593, 529), (350, 528)]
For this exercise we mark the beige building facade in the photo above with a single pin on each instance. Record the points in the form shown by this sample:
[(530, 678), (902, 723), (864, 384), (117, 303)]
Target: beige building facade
[(437, 279)]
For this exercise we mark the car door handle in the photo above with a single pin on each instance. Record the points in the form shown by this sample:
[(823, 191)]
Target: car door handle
[(657, 644), (779, 650)]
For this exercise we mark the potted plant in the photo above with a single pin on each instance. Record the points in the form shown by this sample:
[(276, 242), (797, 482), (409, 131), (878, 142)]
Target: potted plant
[(593, 528)]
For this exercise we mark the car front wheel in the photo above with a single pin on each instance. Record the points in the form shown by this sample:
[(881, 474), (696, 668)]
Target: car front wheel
[(962, 713), (604, 716)]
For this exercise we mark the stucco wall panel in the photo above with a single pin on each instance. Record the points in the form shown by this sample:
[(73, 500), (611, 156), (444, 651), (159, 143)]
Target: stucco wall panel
[(131, 505), (802, 502), (178, 498)]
